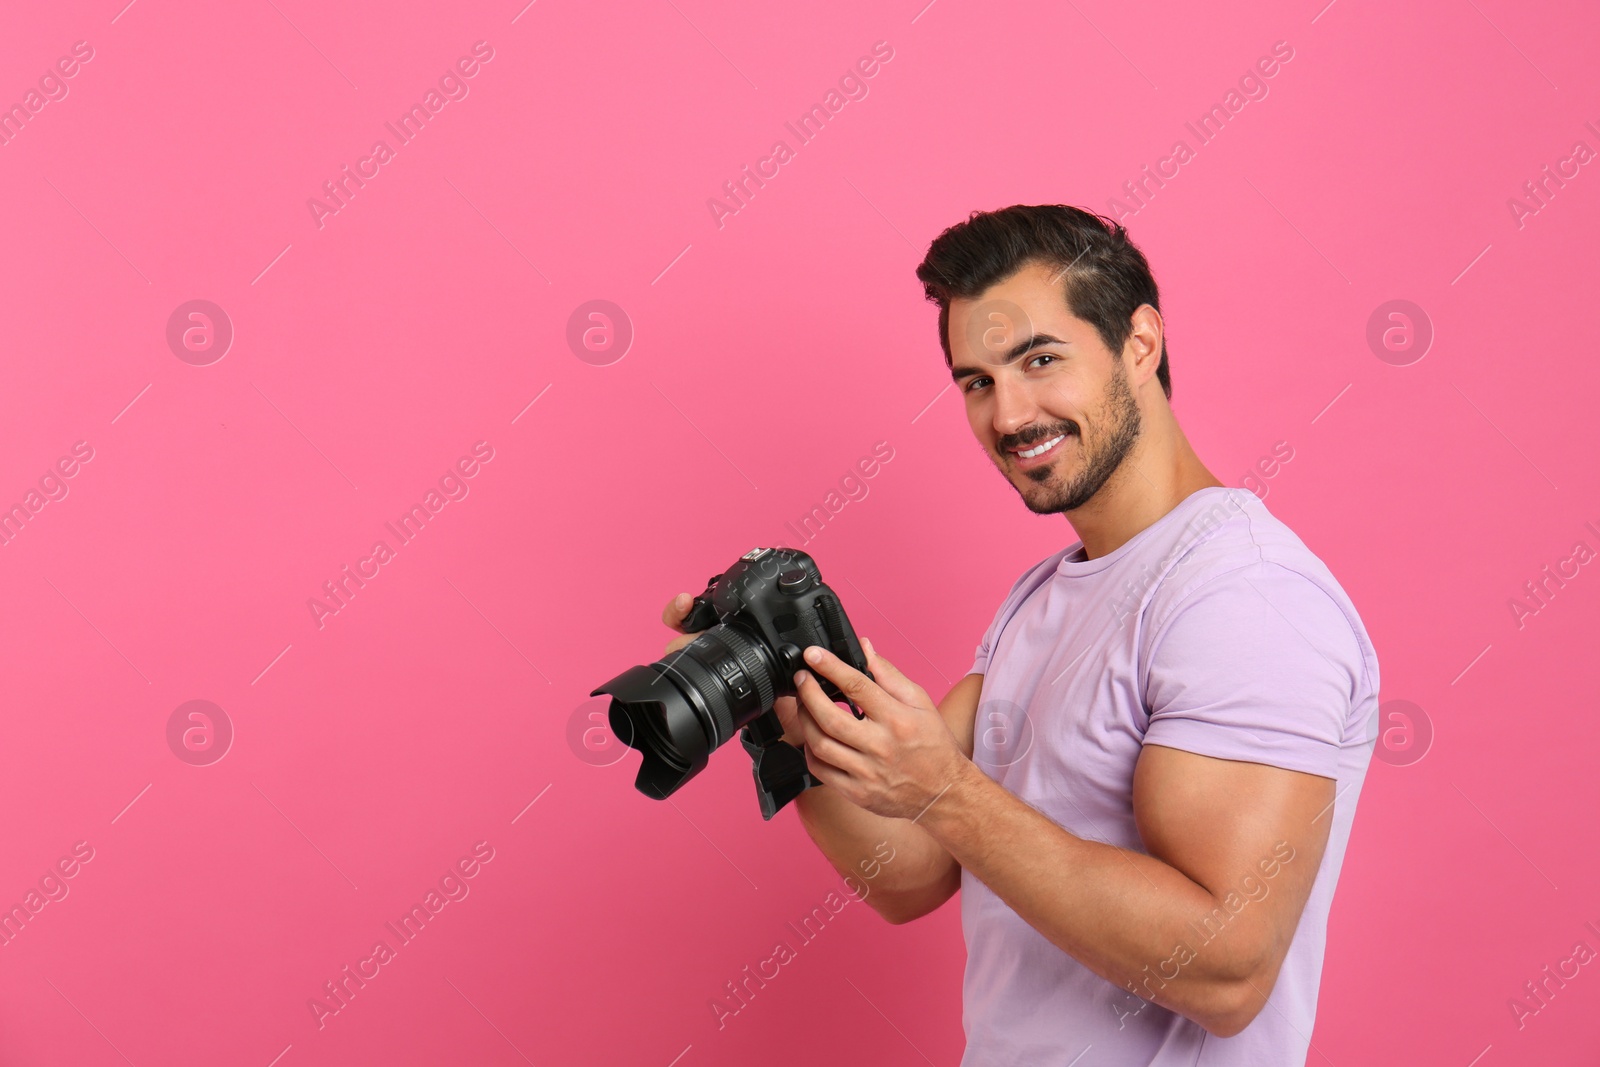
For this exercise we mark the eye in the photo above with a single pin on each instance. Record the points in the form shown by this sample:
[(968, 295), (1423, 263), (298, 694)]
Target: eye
[(974, 383)]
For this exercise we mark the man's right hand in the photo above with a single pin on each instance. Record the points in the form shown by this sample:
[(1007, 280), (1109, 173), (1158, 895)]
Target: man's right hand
[(788, 708)]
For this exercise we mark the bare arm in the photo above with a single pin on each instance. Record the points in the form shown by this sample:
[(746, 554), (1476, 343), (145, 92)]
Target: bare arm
[(1199, 921), (922, 874), (1221, 837)]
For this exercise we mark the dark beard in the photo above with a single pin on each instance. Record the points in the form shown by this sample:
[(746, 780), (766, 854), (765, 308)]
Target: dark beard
[(1099, 463)]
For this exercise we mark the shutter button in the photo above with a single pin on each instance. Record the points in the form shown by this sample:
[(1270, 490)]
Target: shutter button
[(794, 580)]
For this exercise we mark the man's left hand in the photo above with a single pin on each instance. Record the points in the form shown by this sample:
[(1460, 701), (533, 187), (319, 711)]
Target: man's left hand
[(896, 761)]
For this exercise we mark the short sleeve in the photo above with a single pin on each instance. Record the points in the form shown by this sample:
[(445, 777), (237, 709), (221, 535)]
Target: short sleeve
[(1259, 664), (980, 657)]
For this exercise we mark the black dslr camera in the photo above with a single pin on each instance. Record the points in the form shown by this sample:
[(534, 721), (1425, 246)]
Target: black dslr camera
[(757, 617)]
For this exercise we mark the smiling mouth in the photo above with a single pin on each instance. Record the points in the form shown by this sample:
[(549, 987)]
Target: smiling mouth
[(1043, 452), (1041, 448)]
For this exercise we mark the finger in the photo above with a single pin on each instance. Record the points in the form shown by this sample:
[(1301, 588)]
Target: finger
[(788, 709), (675, 610), (889, 677), (830, 772), (678, 642), (830, 751), (860, 690), (826, 772), (800, 721), (834, 721)]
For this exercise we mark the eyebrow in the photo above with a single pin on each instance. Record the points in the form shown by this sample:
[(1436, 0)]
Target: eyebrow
[(1018, 350)]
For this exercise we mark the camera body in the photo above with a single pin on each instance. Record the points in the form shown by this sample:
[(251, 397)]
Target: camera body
[(756, 619)]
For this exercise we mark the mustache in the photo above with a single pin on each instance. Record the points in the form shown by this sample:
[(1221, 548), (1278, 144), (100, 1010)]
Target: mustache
[(1029, 440)]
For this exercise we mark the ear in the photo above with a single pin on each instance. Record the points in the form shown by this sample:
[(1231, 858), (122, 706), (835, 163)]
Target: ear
[(1142, 350)]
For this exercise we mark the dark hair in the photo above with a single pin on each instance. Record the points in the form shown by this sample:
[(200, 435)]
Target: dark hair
[(1106, 276)]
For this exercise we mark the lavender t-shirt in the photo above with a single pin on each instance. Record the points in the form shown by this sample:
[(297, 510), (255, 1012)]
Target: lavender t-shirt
[(1214, 630)]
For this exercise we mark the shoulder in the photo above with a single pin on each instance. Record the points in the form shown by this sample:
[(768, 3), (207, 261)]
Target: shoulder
[(1253, 573)]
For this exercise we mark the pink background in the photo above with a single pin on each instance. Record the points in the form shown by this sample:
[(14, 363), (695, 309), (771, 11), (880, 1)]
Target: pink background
[(769, 355)]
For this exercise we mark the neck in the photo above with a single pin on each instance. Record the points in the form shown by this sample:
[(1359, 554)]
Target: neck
[(1159, 473)]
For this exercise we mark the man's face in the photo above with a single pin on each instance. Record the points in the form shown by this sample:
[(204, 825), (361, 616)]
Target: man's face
[(1063, 386)]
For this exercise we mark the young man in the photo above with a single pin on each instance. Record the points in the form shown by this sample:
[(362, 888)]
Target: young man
[(1145, 785)]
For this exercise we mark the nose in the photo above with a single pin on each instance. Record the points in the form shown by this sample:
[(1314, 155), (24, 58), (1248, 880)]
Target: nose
[(1014, 406)]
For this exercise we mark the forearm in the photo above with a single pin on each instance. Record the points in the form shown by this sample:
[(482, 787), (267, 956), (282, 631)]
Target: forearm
[(1119, 912), (848, 835)]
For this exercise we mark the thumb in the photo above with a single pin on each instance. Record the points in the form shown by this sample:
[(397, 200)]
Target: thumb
[(788, 709), (891, 680)]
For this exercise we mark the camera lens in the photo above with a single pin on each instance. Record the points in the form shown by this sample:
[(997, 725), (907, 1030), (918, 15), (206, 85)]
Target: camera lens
[(682, 707), (660, 738)]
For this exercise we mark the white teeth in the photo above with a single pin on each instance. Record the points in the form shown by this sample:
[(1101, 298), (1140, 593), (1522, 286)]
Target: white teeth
[(1042, 449)]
